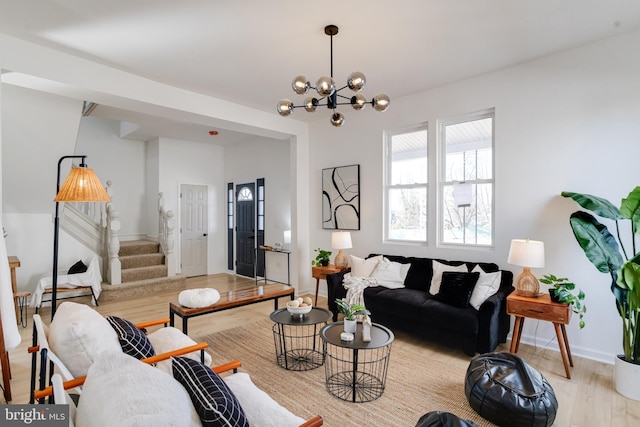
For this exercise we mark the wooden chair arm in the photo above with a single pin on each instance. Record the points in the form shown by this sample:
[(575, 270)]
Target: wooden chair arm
[(313, 422), (235, 364), (76, 382), (148, 323)]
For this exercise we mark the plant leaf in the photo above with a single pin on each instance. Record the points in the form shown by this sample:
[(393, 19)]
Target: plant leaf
[(597, 205), (600, 247), (630, 208)]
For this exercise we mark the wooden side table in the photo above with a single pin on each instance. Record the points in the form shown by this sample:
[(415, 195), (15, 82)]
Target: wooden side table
[(321, 273), (541, 308)]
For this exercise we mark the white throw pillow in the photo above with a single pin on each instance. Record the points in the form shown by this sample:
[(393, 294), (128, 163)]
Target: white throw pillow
[(198, 298), (168, 339), (438, 269), (78, 335), (487, 285), (363, 267), (123, 391), (261, 410), (390, 274)]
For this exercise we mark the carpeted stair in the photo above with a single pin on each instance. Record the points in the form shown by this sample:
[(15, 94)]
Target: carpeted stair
[(143, 272)]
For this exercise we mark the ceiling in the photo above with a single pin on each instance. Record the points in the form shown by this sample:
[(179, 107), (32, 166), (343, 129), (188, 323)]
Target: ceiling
[(248, 51)]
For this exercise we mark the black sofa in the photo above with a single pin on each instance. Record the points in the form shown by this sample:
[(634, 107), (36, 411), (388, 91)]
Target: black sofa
[(413, 308)]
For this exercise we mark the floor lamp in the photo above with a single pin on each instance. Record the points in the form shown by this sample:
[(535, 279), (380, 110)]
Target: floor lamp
[(82, 185)]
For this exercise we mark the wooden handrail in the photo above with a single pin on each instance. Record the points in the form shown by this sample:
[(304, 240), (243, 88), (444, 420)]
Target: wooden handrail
[(40, 394), (233, 365)]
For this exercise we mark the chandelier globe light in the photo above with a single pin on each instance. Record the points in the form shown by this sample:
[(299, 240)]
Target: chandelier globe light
[(330, 94)]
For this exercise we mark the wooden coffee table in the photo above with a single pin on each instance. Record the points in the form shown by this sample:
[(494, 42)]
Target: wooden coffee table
[(232, 299)]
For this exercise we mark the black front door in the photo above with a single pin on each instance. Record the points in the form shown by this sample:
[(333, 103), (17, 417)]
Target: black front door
[(245, 229)]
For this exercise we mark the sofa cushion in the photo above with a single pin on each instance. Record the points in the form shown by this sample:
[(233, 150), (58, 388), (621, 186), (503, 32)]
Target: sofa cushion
[(260, 408), (132, 340), (122, 391), (78, 334), (438, 269), (448, 317), (78, 267), (214, 401), (456, 288), (363, 267), (404, 302), (487, 285)]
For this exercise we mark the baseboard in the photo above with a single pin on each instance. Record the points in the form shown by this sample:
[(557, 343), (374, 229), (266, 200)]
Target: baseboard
[(576, 350)]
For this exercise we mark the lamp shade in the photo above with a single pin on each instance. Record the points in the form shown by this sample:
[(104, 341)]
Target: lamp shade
[(526, 253), (341, 240), (82, 185)]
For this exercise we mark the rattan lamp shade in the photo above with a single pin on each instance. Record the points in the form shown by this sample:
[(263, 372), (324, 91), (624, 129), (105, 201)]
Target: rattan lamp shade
[(526, 253), (82, 185)]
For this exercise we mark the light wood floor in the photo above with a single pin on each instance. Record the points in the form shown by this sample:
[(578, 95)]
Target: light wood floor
[(588, 399)]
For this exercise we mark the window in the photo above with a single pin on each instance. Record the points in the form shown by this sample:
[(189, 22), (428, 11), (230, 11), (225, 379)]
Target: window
[(466, 181), (230, 225), (406, 186)]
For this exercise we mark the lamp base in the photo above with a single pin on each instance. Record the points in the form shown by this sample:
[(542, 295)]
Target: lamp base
[(527, 284), (341, 260)]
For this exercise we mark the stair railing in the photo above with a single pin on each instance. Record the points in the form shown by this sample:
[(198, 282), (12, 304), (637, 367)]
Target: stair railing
[(112, 241), (166, 232)]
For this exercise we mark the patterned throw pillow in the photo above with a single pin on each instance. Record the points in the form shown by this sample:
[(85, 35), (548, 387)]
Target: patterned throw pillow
[(456, 288), (210, 395), (132, 340)]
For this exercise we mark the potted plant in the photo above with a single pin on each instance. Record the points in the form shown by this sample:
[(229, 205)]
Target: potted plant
[(609, 255), (350, 312), (561, 292), (322, 259)]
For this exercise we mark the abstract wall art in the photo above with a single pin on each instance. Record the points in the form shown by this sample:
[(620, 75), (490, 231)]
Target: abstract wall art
[(341, 198)]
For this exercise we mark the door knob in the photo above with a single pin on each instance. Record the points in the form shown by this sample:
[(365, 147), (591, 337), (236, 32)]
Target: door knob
[(205, 234)]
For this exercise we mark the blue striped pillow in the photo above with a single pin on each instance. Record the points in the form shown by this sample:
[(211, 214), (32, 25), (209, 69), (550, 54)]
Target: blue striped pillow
[(132, 340), (210, 395)]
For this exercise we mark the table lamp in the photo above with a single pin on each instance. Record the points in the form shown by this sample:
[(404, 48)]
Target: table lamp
[(527, 254), (286, 244), (341, 240)]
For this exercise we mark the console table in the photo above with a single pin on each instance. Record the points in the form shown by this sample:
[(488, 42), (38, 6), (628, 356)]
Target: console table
[(266, 249)]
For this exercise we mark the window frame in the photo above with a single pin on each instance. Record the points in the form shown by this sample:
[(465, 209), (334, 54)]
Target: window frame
[(441, 177), (388, 187)]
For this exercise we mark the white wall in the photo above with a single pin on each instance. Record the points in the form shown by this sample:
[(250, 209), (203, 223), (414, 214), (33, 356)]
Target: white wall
[(187, 162), (564, 122), (268, 159), (121, 161)]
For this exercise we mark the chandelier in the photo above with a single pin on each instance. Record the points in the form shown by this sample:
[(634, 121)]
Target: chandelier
[(330, 96)]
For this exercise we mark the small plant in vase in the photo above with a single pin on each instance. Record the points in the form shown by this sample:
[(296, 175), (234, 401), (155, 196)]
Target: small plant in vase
[(562, 292), (322, 259), (350, 312)]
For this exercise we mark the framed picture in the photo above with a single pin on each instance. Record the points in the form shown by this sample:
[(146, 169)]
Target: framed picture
[(341, 198)]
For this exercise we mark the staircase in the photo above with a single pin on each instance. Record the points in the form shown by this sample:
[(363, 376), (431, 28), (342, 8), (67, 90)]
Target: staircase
[(143, 272)]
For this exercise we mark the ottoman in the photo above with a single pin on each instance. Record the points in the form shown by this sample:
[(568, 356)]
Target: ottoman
[(505, 390), (443, 419)]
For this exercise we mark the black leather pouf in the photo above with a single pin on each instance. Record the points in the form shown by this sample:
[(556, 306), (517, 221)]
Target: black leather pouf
[(443, 419), (505, 390)]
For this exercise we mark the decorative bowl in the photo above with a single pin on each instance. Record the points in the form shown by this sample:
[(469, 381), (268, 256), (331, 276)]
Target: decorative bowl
[(299, 311)]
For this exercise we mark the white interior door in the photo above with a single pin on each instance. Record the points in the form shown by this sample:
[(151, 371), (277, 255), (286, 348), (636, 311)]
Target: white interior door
[(194, 229)]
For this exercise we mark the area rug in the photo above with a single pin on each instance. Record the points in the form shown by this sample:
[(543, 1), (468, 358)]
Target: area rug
[(415, 384)]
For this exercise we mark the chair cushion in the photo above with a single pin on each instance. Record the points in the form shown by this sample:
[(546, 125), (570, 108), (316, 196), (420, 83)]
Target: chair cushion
[(214, 401), (260, 409), (132, 340), (168, 339), (78, 335), (506, 390), (123, 391)]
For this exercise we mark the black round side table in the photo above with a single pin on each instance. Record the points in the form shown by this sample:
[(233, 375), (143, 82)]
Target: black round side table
[(298, 346), (356, 371)]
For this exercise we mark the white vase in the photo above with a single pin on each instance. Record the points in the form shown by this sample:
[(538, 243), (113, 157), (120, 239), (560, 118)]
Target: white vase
[(350, 326), (626, 378)]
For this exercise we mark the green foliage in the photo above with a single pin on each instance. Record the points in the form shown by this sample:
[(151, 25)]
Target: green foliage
[(609, 255), (322, 256), (350, 311), (562, 289)]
